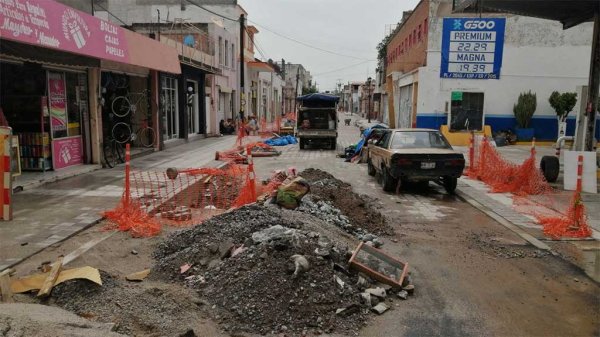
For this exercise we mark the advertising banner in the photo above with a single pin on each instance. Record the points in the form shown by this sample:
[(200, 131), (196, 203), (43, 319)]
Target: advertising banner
[(47, 23), (472, 48), (67, 152), (57, 101)]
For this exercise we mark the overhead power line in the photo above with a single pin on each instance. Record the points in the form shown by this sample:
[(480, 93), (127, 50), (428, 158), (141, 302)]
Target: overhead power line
[(114, 16), (307, 44), (343, 68), (212, 12)]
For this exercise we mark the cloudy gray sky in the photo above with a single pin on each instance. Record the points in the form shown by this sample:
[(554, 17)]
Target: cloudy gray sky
[(352, 28)]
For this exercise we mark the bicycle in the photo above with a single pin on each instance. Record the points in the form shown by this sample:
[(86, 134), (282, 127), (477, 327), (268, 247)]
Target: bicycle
[(122, 105), (114, 153), (145, 134)]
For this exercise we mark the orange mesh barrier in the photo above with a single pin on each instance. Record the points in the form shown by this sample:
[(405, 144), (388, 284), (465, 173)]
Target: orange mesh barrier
[(182, 197), (267, 129), (562, 214)]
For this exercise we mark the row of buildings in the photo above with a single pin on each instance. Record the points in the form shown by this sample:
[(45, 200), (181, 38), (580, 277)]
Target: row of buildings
[(466, 70), (73, 71)]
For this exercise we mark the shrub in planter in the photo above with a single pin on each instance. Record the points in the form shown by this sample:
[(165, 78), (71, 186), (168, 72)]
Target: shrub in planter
[(562, 105), (524, 110)]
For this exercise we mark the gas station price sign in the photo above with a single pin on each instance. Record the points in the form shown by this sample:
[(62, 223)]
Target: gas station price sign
[(472, 48)]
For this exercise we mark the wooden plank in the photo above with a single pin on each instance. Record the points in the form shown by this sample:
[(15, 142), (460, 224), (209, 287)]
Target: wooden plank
[(5, 288), (85, 247), (51, 278)]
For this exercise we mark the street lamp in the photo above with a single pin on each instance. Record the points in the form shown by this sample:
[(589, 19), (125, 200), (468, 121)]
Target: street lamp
[(369, 99)]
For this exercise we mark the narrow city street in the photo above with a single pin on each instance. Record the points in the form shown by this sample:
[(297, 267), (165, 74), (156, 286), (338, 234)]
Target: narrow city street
[(472, 276), (299, 168)]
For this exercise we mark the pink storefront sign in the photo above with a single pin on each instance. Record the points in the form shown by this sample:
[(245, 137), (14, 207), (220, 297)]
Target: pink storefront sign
[(67, 152), (49, 24)]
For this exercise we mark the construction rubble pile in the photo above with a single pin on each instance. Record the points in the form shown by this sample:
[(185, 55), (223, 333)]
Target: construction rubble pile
[(266, 269), (289, 264), (361, 210)]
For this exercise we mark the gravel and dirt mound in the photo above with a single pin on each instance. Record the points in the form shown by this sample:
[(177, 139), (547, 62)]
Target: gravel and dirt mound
[(140, 309), (24, 320), (360, 209), (256, 290)]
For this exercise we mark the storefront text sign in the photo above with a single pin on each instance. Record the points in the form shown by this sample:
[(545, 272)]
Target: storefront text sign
[(47, 23), (57, 102), (472, 48), (67, 152)]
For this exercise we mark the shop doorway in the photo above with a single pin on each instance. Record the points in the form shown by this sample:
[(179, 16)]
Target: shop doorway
[(466, 111), (192, 107), (48, 110), (170, 108)]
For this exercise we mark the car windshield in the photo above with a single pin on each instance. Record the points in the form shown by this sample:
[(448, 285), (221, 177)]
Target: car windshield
[(419, 139)]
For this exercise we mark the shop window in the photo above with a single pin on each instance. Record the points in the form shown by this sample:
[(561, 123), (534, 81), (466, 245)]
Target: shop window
[(232, 56), (466, 111), (220, 51), (170, 113), (226, 53)]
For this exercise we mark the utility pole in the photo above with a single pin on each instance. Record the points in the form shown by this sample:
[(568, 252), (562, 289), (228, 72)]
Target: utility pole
[(283, 87), (242, 78), (296, 94)]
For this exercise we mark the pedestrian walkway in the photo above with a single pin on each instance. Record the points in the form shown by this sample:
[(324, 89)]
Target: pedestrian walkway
[(52, 212), (500, 207)]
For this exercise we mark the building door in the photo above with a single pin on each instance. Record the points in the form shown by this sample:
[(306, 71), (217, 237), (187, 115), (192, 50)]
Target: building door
[(466, 111), (169, 107), (405, 108), (192, 107)]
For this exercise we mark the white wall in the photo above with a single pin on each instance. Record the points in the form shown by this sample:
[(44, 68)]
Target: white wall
[(538, 55)]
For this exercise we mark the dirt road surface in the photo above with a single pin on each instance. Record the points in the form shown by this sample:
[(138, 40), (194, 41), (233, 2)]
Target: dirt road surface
[(472, 276)]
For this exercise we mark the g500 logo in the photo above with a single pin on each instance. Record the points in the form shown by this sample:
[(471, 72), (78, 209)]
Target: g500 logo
[(479, 24)]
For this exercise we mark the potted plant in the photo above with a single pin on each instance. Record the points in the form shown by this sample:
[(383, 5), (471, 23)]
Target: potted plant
[(524, 110), (562, 105)]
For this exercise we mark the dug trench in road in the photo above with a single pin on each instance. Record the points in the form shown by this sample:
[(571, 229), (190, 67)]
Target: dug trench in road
[(473, 277)]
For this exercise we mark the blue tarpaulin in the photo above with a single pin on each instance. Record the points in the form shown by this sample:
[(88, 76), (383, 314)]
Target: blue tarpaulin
[(281, 141)]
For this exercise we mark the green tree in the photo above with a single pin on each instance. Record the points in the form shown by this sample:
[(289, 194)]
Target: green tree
[(562, 104), (525, 108), (309, 90)]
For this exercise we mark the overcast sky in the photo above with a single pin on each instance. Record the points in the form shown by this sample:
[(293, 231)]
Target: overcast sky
[(352, 28)]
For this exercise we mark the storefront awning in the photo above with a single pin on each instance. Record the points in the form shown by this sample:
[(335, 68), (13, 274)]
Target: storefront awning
[(261, 66), (49, 24)]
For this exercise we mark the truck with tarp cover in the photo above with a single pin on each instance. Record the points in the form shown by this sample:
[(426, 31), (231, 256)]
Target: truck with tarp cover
[(317, 121)]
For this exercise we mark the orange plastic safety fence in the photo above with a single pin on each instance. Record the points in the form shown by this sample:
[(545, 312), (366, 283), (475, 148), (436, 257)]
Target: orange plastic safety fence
[(178, 198), (504, 176), (562, 214), (130, 217)]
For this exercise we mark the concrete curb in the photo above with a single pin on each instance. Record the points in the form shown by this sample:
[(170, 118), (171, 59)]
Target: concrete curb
[(509, 225), (215, 164)]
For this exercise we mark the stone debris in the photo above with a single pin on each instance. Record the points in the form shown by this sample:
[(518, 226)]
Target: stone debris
[(403, 294), (380, 308), (379, 292), (301, 264)]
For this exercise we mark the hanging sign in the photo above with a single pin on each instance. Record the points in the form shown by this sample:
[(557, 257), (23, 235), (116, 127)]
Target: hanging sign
[(472, 48)]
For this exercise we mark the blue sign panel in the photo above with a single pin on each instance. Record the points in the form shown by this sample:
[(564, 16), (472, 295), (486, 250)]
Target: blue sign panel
[(472, 48)]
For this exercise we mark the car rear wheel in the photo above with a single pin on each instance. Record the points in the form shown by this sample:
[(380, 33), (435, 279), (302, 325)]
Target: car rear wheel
[(450, 184), (301, 143), (370, 168), (389, 182)]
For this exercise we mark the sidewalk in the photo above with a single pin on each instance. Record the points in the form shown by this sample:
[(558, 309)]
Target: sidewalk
[(500, 207), (52, 212)]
